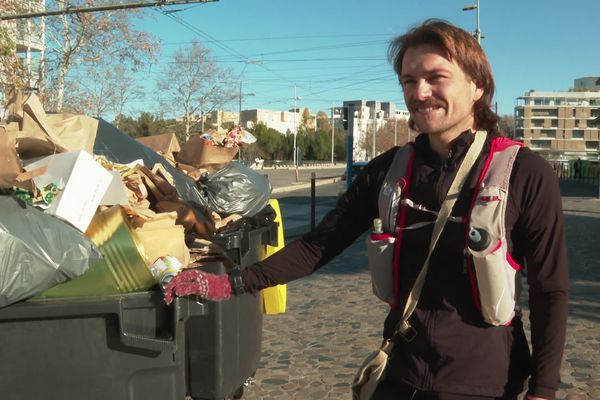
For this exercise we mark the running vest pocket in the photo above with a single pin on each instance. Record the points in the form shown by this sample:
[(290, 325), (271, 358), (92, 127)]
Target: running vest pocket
[(496, 272), (380, 250)]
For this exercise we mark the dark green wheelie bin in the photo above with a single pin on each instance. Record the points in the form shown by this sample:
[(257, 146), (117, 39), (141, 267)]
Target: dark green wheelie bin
[(133, 346)]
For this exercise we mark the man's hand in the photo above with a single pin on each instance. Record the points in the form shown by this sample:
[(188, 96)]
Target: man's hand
[(530, 397), (202, 284)]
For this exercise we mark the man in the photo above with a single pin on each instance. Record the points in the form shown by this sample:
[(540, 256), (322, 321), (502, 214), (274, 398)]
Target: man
[(577, 168), (448, 87)]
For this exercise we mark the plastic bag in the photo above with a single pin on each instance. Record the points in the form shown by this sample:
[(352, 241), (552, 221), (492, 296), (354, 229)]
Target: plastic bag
[(38, 251), (236, 189)]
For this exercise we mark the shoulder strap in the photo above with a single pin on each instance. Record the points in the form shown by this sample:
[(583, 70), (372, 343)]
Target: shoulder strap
[(404, 328), (498, 166), (393, 184)]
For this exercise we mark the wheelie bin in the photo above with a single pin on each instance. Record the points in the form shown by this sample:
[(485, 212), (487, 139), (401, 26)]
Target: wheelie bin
[(133, 346)]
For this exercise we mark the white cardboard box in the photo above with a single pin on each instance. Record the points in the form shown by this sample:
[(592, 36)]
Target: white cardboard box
[(83, 183)]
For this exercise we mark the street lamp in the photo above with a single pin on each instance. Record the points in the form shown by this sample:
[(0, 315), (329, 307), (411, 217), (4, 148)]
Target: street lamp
[(376, 116), (240, 105), (470, 7)]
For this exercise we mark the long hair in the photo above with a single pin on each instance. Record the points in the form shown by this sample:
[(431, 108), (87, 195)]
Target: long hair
[(459, 46)]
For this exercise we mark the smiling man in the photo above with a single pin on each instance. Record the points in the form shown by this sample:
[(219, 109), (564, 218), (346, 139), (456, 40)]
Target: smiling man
[(448, 87), (465, 338)]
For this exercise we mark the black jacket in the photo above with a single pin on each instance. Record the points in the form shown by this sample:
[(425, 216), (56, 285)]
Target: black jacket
[(455, 350)]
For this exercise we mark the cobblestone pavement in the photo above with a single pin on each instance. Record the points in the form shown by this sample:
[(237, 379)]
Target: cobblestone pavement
[(333, 320)]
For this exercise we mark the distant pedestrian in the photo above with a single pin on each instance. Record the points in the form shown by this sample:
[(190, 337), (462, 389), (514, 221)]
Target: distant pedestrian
[(577, 168)]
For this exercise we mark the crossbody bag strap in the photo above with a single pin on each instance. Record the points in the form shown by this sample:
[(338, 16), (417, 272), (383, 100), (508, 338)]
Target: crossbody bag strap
[(404, 328)]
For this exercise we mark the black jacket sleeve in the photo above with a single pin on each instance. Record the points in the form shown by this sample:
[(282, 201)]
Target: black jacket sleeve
[(352, 216), (541, 235)]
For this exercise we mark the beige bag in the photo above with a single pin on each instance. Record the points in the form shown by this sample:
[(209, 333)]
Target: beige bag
[(498, 280), (372, 371)]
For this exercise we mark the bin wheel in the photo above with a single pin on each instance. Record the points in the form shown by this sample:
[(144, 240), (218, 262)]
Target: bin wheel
[(238, 393)]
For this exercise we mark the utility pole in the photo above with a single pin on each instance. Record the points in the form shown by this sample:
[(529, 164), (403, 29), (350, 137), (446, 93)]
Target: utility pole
[(332, 132), (374, 130), (240, 107), (395, 131), (108, 7)]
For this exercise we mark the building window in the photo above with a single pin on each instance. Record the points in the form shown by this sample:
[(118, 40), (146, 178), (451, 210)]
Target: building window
[(591, 145), (540, 144), (577, 134), (548, 134)]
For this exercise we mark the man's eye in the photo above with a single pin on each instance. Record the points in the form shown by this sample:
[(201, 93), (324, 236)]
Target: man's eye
[(437, 78)]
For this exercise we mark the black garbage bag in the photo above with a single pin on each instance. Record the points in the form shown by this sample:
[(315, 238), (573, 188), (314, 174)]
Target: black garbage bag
[(236, 189), (38, 251)]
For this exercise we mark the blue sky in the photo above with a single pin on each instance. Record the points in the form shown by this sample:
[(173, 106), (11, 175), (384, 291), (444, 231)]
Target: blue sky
[(336, 50)]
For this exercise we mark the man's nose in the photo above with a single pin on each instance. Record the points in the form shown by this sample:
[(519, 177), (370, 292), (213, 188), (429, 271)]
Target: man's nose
[(422, 90)]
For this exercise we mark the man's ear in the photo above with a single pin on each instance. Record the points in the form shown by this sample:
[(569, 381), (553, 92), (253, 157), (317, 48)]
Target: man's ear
[(477, 93)]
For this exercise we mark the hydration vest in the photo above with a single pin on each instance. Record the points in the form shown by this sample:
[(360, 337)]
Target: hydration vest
[(492, 272)]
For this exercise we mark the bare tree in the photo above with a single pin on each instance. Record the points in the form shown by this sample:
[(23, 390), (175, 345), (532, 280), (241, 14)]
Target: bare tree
[(112, 88), (103, 37), (194, 82), (394, 132), (506, 125)]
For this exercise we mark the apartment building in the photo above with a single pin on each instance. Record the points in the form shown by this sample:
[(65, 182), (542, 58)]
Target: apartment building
[(559, 125), (368, 117), (28, 36), (283, 121)]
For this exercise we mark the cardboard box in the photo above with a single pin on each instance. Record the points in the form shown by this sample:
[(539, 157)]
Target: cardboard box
[(202, 154), (83, 183)]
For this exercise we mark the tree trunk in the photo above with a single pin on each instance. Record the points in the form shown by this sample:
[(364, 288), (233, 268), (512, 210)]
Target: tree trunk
[(187, 126), (60, 87)]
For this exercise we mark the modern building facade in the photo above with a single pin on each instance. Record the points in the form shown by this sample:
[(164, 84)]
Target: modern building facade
[(368, 117), (587, 83), (28, 36), (286, 122), (558, 125)]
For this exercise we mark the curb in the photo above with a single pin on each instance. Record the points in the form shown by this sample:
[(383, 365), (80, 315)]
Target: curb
[(303, 185)]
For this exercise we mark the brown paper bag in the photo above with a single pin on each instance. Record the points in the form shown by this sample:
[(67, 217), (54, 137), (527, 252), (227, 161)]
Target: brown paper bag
[(10, 165), (165, 144), (164, 241), (76, 132), (200, 153), (44, 134)]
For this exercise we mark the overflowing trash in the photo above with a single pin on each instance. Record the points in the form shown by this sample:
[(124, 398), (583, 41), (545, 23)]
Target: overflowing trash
[(88, 210)]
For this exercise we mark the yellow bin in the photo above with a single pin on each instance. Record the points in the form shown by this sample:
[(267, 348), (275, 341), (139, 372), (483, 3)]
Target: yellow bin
[(124, 265), (274, 298)]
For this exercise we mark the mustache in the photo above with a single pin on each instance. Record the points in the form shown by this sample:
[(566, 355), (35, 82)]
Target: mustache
[(416, 104)]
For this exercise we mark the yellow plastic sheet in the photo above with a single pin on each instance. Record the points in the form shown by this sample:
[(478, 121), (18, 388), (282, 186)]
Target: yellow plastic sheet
[(274, 298)]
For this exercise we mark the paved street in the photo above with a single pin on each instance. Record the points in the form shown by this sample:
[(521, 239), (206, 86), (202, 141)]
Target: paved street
[(333, 320)]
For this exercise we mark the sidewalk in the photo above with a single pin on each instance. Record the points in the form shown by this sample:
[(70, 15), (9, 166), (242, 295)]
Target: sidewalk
[(333, 319)]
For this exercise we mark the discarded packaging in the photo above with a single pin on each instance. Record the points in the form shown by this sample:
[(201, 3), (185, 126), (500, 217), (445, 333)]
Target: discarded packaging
[(200, 153), (236, 189), (124, 265), (165, 144), (38, 251), (82, 183)]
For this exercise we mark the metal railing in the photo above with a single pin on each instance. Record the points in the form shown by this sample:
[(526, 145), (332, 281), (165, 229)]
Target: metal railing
[(587, 175)]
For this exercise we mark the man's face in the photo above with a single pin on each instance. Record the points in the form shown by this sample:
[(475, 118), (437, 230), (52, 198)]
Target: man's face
[(438, 94)]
